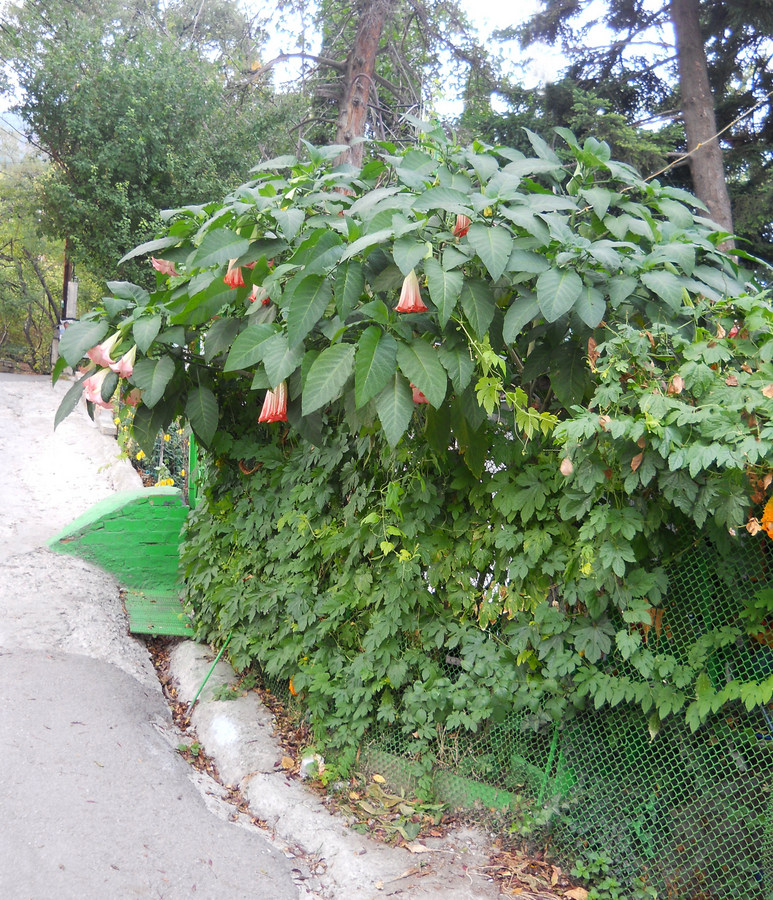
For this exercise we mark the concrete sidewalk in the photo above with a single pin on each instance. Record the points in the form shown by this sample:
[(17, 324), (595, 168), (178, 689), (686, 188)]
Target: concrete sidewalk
[(95, 800)]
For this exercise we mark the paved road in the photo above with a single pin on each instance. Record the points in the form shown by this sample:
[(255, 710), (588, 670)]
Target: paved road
[(94, 800)]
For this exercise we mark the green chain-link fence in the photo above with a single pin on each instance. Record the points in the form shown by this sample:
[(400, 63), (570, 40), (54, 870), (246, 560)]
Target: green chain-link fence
[(688, 814)]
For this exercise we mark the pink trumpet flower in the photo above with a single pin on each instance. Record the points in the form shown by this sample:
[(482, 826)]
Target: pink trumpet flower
[(410, 296), (233, 277), (164, 266), (125, 365), (275, 405), (462, 226), (93, 389), (101, 353), (418, 396)]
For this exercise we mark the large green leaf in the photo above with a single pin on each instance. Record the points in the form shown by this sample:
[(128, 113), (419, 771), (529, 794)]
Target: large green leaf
[(80, 337), (394, 406), (204, 305), (289, 221), (145, 331), (557, 291), (150, 247), (219, 336), (279, 359), (620, 288), (590, 306), (247, 348), (527, 262), (443, 198), (125, 290), (665, 285), (70, 400), (374, 364), (201, 411), (493, 244), (459, 365), (307, 305), (408, 252), (569, 375), (541, 148), (349, 285), (328, 374), (598, 198), (523, 309), (152, 376), (419, 362), (444, 288), (147, 423), (366, 241), (478, 305), (218, 247)]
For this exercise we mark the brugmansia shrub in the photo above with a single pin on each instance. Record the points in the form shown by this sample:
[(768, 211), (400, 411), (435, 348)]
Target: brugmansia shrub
[(458, 409)]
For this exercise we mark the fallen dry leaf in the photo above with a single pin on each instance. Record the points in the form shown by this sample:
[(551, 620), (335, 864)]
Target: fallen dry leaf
[(577, 893), (287, 763), (416, 847), (731, 381), (379, 779), (414, 870)]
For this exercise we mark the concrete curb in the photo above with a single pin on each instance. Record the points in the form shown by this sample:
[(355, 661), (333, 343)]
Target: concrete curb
[(238, 735)]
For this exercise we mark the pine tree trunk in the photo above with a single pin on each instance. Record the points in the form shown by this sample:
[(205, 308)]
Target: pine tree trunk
[(700, 124), (360, 68)]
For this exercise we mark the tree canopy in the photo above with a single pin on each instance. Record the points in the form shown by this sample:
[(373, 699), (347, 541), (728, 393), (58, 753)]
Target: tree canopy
[(635, 72), (138, 109)]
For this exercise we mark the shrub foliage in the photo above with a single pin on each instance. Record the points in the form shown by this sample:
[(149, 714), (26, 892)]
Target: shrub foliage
[(598, 381)]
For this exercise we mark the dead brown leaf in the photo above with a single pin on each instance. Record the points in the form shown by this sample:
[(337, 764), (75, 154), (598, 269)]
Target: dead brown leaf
[(676, 385), (636, 461), (592, 352), (416, 847), (577, 893)]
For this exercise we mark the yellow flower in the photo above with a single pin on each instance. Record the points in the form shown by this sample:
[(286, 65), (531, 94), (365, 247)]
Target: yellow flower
[(167, 437), (116, 421), (182, 473), (141, 454)]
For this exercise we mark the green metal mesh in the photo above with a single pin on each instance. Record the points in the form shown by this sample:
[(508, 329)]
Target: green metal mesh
[(689, 814)]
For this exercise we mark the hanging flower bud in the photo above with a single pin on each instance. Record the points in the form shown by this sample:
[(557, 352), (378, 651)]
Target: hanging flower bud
[(233, 277), (164, 266), (462, 226), (125, 365), (259, 293), (101, 353), (93, 389), (410, 295), (275, 405), (418, 396)]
